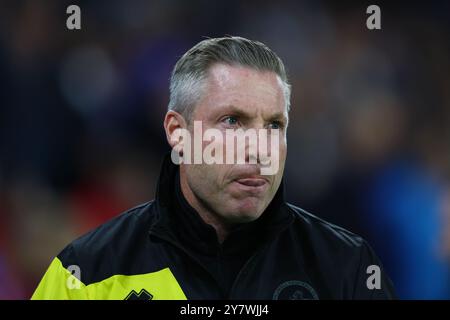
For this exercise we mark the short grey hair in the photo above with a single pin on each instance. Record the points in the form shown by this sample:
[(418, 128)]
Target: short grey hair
[(189, 73)]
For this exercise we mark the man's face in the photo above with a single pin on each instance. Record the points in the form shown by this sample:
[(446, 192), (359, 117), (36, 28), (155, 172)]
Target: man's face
[(238, 97)]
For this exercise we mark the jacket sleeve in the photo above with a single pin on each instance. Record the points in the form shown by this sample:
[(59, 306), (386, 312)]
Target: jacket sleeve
[(61, 280), (372, 282)]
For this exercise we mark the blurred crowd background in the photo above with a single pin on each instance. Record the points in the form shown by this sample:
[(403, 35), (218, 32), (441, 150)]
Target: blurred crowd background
[(81, 135)]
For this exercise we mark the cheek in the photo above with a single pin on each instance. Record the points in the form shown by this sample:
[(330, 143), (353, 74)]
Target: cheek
[(210, 178), (223, 174), (283, 156), (282, 161)]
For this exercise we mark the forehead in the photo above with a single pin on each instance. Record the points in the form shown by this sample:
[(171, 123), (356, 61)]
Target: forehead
[(243, 87)]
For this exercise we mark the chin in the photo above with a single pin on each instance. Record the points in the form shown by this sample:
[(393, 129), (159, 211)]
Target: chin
[(246, 212)]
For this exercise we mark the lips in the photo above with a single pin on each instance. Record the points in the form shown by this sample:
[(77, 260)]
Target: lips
[(252, 182), (253, 185)]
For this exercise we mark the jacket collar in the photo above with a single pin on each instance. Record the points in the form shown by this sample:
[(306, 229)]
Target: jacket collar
[(171, 225)]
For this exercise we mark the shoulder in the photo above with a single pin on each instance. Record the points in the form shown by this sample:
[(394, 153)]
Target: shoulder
[(341, 256), (117, 230), (325, 231), (328, 240), (103, 251)]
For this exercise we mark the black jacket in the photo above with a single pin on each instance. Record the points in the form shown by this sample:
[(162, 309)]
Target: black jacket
[(163, 250)]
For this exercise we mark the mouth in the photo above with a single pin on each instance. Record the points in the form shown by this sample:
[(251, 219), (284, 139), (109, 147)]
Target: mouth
[(252, 182), (253, 185)]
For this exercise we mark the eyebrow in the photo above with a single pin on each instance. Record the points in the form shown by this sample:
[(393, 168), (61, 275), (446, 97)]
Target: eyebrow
[(243, 114), (236, 111), (279, 116)]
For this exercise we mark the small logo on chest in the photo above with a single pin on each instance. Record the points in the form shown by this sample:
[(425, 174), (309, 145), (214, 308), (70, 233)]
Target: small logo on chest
[(142, 295), (295, 290)]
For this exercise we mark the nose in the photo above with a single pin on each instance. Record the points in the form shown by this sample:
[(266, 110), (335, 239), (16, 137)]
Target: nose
[(252, 150), (259, 146)]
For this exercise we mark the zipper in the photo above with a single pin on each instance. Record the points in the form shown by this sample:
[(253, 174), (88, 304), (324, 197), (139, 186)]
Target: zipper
[(243, 272), (220, 267), (180, 247)]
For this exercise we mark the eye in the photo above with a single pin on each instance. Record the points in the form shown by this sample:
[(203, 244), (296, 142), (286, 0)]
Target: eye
[(275, 125), (230, 120)]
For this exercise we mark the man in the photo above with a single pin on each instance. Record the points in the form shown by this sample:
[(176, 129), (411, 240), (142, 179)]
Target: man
[(220, 230)]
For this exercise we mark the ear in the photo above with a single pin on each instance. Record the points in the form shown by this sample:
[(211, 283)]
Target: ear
[(173, 121)]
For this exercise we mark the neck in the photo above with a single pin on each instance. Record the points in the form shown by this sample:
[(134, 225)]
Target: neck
[(207, 215)]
